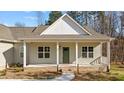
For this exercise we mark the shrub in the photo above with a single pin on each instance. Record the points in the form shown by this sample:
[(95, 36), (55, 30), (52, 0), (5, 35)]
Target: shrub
[(3, 73), (15, 65)]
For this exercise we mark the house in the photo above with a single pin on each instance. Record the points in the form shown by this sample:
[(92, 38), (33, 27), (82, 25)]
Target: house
[(63, 42)]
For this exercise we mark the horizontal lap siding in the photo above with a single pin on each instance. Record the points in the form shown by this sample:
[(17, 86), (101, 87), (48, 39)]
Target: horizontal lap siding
[(6, 54), (33, 53), (88, 60), (17, 58), (71, 52)]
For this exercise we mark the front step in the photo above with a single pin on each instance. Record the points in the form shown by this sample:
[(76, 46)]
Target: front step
[(68, 69)]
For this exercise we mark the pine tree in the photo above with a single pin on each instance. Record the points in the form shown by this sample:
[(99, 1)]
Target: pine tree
[(53, 16)]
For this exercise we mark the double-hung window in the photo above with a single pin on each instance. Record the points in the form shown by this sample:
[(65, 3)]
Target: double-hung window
[(84, 52), (90, 52), (87, 52), (43, 52), (21, 51)]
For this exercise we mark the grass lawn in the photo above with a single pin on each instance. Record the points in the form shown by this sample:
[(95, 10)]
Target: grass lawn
[(18, 73), (118, 71), (116, 74)]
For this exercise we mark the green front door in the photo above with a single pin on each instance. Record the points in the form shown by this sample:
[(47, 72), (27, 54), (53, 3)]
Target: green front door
[(65, 55)]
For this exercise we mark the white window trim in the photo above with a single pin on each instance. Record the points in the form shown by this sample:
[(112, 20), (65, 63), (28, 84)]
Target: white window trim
[(90, 52), (43, 52), (21, 50), (83, 52), (87, 52)]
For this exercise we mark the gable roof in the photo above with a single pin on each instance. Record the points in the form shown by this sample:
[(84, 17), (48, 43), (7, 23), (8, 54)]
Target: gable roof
[(65, 25), (35, 33)]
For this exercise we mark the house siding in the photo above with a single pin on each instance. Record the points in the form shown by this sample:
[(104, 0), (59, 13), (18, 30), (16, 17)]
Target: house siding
[(17, 57), (96, 52), (32, 53), (6, 54)]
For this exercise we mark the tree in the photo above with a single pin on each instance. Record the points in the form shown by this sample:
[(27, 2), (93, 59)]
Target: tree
[(82, 17), (53, 16), (19, 24), (121, 30)]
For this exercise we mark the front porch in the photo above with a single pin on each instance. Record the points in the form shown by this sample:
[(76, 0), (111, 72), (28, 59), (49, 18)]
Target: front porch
[(31, 59), (65, 67)]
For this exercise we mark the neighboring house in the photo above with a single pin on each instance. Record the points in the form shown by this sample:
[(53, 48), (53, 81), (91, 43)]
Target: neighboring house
[(63, 42)]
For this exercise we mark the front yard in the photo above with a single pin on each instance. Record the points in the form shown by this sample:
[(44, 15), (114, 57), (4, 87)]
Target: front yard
[(28, 74), (116, 74)]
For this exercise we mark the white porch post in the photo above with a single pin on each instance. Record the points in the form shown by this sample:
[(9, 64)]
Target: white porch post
[(108, 53), (101, 50), (76, 53), (24, 54), (57, 55), (77, 63)]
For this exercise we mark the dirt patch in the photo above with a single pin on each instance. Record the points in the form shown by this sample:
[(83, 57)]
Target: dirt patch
[(19, 73)]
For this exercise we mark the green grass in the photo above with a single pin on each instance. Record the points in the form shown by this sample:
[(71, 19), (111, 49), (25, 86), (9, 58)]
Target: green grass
[(117, 71), (116, 74)]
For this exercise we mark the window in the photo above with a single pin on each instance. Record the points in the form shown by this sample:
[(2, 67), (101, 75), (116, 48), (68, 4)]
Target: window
[(87, 52), (84, 52), (21, 51), (40, 52), (43, 52), (90, 50)]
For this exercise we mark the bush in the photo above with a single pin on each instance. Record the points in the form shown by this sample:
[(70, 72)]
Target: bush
[(16, 65), (3, 73)]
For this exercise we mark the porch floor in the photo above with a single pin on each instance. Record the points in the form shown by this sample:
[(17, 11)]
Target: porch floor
[(61, 65)]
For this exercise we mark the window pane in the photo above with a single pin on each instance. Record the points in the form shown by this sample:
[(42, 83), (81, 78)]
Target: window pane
[(90, 55), (84, 49), (47, 49), (90, 49), (84, 55), (21, 54), (21, 51), (40, 49), (40, 55), (47, 55)]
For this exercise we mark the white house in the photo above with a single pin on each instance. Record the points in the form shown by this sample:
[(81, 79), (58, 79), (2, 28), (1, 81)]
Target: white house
[(63, 42)]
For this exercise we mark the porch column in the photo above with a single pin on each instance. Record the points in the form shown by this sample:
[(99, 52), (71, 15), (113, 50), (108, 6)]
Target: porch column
[(77, 64), (57, 55), (108, 53), (24, 54), (76, 53), (101, 50)]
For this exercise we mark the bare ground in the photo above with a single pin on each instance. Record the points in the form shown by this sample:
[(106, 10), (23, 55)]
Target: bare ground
[(45, 73), (31, 73)]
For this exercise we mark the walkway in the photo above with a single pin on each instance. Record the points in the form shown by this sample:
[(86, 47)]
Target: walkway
[(66, 76)]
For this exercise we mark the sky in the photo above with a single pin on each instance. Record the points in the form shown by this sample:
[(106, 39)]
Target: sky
[(29, 18)]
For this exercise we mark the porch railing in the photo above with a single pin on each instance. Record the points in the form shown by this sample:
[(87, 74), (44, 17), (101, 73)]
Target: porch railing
[(96, 61)]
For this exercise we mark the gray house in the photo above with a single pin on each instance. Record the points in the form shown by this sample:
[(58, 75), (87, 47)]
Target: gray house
[(63, 42)]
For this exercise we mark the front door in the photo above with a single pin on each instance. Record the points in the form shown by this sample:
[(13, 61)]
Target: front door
[(65, 55)]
